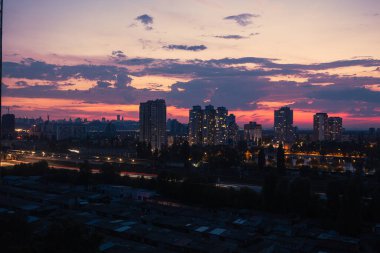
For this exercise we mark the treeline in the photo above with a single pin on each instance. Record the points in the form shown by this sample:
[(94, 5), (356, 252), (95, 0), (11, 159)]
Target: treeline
[(348, 203)]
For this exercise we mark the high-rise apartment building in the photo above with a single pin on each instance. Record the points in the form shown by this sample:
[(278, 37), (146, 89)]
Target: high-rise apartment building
[(232, 130), (335, 125), (321, 127), (209, 125), (283, 125), (195, 125), (8, 124), (221, 131), (253, 133), (153, 123)]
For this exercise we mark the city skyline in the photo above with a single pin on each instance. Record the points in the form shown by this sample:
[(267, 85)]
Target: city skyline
[(101, 59)]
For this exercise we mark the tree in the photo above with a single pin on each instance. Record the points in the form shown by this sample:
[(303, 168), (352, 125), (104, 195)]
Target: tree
[(185, 151), (84, 173), (108, 173), (261, 159), (300, 195), (269, 191), (350, 217), (333, 192), (280, 158)]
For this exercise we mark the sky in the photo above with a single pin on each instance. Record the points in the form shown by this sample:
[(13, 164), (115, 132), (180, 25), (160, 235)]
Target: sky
[(101, 58)]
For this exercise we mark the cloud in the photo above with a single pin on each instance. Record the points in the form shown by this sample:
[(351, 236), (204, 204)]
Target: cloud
[(243, 19), (146, 20), (224, 81), (184, 47), (21, 84), (231, 36), (137, 61), (103, 85), (122, 80), (102, 92), (118, 54), (33, 69)]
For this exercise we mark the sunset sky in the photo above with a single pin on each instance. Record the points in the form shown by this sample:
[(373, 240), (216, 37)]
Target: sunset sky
[(100, 58)]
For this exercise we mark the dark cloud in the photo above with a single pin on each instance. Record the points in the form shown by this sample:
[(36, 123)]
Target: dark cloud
[(102, 92), (215, 67), (137, 61), (122, 80), (257, 60), (232, 92), (118, 54), (216, 81), (243, 19), (21, 84), (231, 36), (184, 47), (32, 69), (146, 20), (103, 84), (348, 94)]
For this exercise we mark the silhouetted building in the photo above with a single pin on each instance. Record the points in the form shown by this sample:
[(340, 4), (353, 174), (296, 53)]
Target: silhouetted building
[(232, 130), (8, 125), (372, 132), (176, 128), (70, 131), (253, 133), (221, 132), (209, 125), (283, 125), (321, 127), (335, 128), (153, 123), (195, 125)]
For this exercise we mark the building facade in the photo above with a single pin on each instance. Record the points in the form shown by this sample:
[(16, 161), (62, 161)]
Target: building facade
[(283, 125), (253, 133), (209, 125), (232, 130), (320, 127), (221, 131), (8, 125), (153, 123), (335, 125), (195, 125)]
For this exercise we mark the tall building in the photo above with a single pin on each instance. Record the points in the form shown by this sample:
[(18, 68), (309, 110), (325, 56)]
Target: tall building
[(8, 125), (209, 125), (153, 123), (335, 125), (195, 125), (253, 133), (232, 130), (176, 128), (283, 125), (321, 127), (221, 131)]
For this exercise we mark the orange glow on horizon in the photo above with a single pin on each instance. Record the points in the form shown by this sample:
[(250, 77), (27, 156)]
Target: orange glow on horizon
[(66, 108)]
